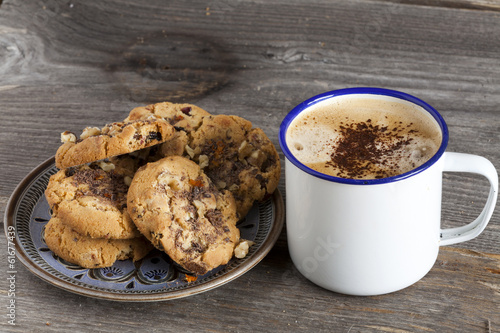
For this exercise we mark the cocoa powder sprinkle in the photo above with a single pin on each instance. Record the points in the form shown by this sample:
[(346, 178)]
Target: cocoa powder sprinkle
[(363, 149)]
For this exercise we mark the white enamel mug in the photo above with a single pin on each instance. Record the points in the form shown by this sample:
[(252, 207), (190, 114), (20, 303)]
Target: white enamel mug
[(371, 237)]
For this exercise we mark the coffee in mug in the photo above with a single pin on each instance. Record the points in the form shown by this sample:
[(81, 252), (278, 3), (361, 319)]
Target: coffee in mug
[(363, 176), (367, 137)]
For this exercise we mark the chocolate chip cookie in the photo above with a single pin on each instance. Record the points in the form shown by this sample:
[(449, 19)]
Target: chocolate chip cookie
[(186, 117), (176, 206), (92, 199), (113, 139), (90, 252), (236, 157)]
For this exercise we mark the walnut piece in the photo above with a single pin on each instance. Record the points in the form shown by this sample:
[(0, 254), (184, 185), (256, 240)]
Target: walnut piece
[(190, 151), (112, 129), (244, 150), (68, 137), (241, 250), (221, 184), (234, 187), (106, 166), (203, 160), (127, 180), (90, 131)]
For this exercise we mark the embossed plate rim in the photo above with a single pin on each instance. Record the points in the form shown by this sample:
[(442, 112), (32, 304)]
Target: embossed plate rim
[(250, 262)]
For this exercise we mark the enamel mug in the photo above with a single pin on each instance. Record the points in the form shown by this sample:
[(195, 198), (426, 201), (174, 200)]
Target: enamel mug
[(371, 237)]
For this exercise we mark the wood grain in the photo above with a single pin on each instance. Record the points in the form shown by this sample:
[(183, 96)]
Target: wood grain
[(66, 65), (488, 5)]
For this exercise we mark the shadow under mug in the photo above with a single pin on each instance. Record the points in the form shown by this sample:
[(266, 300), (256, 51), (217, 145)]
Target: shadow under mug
[(372, 237)]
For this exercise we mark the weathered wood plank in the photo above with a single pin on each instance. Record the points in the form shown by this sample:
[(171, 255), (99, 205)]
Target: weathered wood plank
[(459, 4), (66, 65), (459, 294)]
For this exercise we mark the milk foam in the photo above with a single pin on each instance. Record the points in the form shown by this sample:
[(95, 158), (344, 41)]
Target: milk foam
[(398, 136)]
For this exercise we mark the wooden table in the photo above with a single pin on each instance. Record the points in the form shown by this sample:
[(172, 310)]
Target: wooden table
[(70, 64)]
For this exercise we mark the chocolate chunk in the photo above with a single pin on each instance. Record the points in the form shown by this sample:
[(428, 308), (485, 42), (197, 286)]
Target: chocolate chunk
[(154, 136), (186, 110)]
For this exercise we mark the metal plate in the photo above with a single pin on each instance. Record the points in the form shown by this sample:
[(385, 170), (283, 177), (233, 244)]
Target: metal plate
[(153, 278)]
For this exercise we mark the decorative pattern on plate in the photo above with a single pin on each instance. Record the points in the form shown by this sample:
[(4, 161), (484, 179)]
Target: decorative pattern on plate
[(155, 277)]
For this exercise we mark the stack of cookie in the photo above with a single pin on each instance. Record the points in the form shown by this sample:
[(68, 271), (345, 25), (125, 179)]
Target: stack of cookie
[(170, 175), (90, 225)]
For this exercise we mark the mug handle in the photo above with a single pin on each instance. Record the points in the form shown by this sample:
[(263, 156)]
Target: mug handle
[(458, 162)]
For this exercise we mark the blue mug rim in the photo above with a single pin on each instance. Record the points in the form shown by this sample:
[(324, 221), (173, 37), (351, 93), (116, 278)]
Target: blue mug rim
[(370, 91)]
